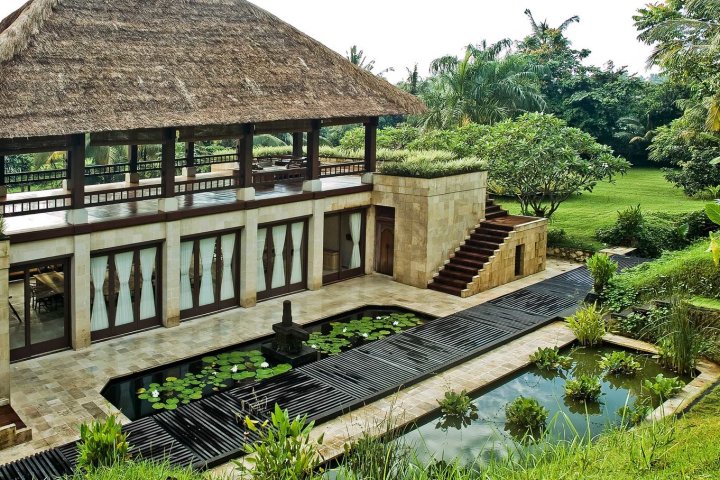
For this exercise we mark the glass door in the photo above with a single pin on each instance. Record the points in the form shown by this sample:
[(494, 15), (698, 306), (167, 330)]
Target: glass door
[(124, 290), (209, 273), (282, 259), (39, 308), (343, 246)]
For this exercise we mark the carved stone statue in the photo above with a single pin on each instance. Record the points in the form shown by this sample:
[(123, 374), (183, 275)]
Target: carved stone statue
[(289, 336)]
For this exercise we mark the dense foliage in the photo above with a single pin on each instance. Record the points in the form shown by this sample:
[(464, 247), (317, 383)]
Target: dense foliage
[(588, 324), (102, 444)]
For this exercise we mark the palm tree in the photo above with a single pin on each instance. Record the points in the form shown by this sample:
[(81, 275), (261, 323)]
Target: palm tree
[(544, 38), (357, 57), (487, 85)]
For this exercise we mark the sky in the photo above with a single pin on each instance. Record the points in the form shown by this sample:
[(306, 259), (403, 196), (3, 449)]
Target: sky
[(400, 33)]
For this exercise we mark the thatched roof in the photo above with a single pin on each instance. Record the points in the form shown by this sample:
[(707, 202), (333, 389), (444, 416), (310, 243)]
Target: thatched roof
[(72, 66)]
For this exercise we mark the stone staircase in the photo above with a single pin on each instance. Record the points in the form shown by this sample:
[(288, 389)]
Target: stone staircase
[(475, 254)]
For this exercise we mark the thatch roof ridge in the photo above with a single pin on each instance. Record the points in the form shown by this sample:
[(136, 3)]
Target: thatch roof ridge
[(27, 21), (73, 66)]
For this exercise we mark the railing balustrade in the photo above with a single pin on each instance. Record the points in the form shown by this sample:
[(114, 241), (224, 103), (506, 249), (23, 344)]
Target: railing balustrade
[(40, 176), (205, 185), (263, 178), (338, 169), (25, 206), (131, 193)]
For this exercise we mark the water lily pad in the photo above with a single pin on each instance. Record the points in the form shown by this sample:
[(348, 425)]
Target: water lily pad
[(158, 406)]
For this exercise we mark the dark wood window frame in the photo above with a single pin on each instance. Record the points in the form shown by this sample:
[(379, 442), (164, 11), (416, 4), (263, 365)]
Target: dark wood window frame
[(269, 259), (217, 305), (63, 343), (341, 275), (136, 287)]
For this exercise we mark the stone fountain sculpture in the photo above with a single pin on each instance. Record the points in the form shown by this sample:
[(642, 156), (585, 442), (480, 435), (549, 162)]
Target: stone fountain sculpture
[(287, 346)]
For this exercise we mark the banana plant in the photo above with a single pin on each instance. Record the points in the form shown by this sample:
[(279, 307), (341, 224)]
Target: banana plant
[(713, 213)]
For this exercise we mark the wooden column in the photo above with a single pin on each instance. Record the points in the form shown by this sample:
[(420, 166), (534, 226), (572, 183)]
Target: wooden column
[(371, 144), (245, 156), (313, 151), (132, 176), (190, 154), (168, 163), (3, 187), (76, 167), (297, 145)]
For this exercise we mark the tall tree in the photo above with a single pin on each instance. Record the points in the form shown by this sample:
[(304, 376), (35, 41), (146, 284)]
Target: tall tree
[(488, 84), (357, 57), (547, 40)]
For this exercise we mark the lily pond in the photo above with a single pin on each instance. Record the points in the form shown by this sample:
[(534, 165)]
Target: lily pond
[(489, 435), (177, 384)]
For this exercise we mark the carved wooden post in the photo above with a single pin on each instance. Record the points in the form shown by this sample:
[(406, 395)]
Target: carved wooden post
[(189, 170), (133, 176), (245, 162), (168, 163), (297, 145), (313, 152)]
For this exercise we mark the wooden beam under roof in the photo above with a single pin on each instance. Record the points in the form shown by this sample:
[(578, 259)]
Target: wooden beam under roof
[(17, 146), (127, 137)]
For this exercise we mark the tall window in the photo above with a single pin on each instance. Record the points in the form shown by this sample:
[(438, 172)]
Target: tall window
[(39, 308), (282, 259), (209, 273), (125, 291), (343, 245)]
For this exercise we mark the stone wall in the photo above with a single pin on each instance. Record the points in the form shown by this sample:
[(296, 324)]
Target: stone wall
[(501, 267), (572, 254), (432, 218)]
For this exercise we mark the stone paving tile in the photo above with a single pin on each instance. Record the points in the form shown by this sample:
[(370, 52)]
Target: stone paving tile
[(56, 393)]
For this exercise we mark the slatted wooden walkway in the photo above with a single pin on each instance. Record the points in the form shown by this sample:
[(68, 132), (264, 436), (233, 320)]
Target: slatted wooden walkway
[(205, 433)]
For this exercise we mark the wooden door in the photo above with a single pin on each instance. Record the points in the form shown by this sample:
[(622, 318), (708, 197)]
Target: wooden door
[(385, 247)]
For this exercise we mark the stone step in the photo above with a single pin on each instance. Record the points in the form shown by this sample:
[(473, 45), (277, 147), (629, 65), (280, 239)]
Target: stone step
[(445, 289)]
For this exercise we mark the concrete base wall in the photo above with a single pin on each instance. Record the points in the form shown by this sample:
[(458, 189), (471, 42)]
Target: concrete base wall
[(432, 217), (11, 436)]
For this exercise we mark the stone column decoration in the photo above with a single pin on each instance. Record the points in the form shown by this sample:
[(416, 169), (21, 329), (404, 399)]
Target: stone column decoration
[(316, 231), (312, 177), (370, 240), (132, 176), (80, 308), (4, 321), (171, 275), (249, 260), (246, 191)]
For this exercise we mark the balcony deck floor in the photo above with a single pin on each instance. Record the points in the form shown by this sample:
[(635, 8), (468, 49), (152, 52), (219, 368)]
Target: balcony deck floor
[(105, 213)]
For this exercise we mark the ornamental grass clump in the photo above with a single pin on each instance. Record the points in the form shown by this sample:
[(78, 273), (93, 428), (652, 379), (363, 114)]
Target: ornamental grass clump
[(682, 342), (588, 325), (620, 363), (602, 268), (550, 359), (586, 388)]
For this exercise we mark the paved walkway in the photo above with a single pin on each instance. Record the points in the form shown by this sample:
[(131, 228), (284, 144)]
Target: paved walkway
[(54, 394)]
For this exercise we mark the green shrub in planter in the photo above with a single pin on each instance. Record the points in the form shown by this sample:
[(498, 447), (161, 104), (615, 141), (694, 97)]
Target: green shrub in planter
[(588, 324), (664, 387), (102, 444), (550, 359), (619, 363), (584, 388), (602, 268), (526, 414)]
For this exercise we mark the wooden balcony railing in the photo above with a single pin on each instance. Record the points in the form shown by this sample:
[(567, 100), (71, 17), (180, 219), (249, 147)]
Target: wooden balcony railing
[(40, 176), (264, 179), (131, 193), (36, 204), (338, 169), (205, 185)]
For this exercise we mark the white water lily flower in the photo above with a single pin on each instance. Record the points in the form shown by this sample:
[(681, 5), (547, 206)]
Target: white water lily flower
[(378, 318), (264, 365), (155, 394), (344, 329), (234, 369), (396, 323), (365, 335), (313, 346), (214, 373)]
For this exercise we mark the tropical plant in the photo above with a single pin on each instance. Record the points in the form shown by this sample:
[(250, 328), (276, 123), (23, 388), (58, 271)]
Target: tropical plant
[(713, 213), (544, 39), (550, 359), (527, 414), (102, 444), (488, 84), (458, 410), (682, 342), (588, 324), (357, 57), (619, 363), (584, 388), (284, 449), (542, 162), (602, 268), (663, 386)]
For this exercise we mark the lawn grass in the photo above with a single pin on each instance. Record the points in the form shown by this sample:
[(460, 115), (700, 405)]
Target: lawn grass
[(705, 302), (581, 216)]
